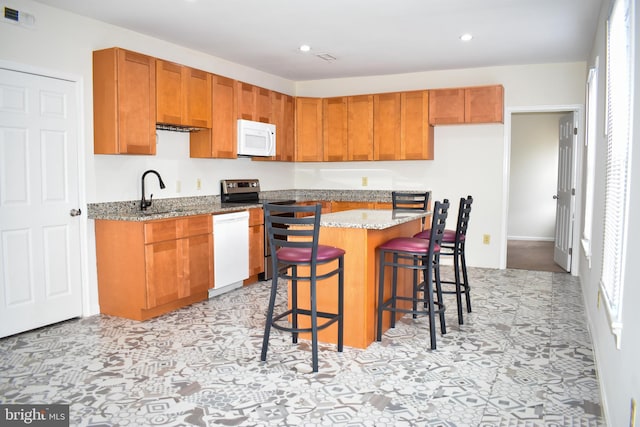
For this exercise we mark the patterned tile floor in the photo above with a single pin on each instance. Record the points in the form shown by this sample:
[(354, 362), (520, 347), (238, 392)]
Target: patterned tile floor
[(523, 358)]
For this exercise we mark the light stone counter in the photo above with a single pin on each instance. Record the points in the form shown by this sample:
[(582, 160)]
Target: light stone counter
[(370, 219)]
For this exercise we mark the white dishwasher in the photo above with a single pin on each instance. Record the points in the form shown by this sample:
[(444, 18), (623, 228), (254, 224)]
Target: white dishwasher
[(230, 251)]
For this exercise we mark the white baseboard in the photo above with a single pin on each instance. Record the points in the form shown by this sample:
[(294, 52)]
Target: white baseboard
[(539, 239)]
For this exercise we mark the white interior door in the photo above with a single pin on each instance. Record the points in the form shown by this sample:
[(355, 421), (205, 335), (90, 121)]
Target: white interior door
[(565, 193), (40, 278)]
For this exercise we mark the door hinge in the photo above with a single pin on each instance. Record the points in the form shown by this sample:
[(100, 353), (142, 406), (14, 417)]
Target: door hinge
[(575, 131), (573, 191), (570, 251)]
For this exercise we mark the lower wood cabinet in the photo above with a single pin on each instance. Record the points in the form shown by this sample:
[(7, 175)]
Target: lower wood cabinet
[(256, 244), (149, 268)]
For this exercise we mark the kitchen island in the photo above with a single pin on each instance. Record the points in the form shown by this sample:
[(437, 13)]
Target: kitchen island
[(359, 232)]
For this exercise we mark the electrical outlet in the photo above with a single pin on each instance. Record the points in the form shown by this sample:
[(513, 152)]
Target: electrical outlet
[(632, 417), (486, 239), (198, 184), (178, 186), (365, 181)]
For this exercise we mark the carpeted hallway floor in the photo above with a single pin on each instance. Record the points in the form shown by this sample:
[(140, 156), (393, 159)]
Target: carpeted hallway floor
[(531, 255)]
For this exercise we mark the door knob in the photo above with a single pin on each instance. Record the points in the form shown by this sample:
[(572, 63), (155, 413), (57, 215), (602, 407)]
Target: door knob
[(555, 197), (75, 212)]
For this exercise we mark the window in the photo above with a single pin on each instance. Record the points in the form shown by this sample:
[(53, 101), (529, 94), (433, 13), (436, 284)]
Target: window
[(619, 92)]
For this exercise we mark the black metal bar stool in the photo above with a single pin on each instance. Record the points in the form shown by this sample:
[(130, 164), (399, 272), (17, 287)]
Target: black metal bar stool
[(453, 244), (409, 201), (293, 237), (418, 255)]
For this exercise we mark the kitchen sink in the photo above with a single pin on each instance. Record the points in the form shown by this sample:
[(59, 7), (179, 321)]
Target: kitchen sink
[(163, 211)]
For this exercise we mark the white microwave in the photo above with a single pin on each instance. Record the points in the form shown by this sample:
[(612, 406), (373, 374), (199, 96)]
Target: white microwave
[(256, 138)]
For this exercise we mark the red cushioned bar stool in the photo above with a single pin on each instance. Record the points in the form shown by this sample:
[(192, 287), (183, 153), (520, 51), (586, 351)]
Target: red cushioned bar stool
[(418, 255), (453, 244), (293, 238)]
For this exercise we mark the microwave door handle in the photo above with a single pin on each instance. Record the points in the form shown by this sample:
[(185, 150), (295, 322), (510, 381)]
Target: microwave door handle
[(272, 141)]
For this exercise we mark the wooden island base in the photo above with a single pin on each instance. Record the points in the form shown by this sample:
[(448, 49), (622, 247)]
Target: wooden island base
[(361, 282)]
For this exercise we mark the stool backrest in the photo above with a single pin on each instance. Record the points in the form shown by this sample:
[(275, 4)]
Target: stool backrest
[(438, 223), (463, 218), (292, 226), (408, 201)]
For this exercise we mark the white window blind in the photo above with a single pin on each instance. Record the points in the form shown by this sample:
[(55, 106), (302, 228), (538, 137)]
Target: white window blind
[(619, 90)]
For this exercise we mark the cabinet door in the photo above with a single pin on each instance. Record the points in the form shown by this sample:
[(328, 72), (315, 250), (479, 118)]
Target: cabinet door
[(416, 140), (387, 126), (263, 111), (446, 106), (335, 124), (198, 267), (246, 100), (360, 127), (124, 102), (484, 104), (219, 141), (197, 102), (284, 119), (308, 129), (169, 93), (164, 272)]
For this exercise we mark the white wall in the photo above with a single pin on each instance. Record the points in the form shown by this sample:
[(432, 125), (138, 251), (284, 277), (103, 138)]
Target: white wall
[(533, 176), (618, 369)]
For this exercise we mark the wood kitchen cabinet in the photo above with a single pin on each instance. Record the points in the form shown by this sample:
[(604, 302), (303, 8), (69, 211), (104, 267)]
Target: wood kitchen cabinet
[(309, 130), (416, 134), (149, 268), (254, 103), (360, 127), (124, 102), (220, 140), (480, 104), (386, 126), (256, 244), (283, 107), (335, 129), (183, 95)]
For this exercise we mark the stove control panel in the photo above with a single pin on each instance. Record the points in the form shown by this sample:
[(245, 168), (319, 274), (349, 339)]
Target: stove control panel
[(234, 186)]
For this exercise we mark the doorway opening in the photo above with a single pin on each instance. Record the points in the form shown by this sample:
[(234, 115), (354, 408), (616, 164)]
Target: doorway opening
[(532, 152)]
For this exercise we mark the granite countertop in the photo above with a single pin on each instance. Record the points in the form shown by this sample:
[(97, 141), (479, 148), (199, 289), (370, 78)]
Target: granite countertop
[(370, 219), (206, 205)]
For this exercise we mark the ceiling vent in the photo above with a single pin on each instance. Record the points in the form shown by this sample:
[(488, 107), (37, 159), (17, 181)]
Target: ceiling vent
[(326, 57)]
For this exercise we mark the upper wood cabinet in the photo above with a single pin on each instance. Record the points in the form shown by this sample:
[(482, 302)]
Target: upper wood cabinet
[(283, 108), (480, 104), (416, 134), (360, 127), (183, 95), (254, 103), (335, 124), (309, 130), (219, 141), (124, 102), (386, 129), (484, 104)]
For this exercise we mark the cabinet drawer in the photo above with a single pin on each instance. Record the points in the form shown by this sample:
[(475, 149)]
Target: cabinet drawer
[(196, 225), (176, 228)]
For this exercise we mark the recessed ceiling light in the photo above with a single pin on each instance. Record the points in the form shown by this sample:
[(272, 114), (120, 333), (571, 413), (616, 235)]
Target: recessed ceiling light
[(466, 37), (304, 48)]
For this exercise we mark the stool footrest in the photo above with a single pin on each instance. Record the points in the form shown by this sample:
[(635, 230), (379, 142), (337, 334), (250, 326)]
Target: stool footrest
[(440, 306), (332, 318)]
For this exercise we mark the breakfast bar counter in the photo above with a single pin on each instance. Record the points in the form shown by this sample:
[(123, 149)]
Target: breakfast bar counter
[(359, 232)]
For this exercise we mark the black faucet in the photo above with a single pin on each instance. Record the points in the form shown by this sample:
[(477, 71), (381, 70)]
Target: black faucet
[(144, 204)]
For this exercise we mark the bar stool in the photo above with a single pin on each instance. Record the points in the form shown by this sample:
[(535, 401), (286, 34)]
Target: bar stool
[(418, 255), (453, 244), (408, 201), (293, 237)]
